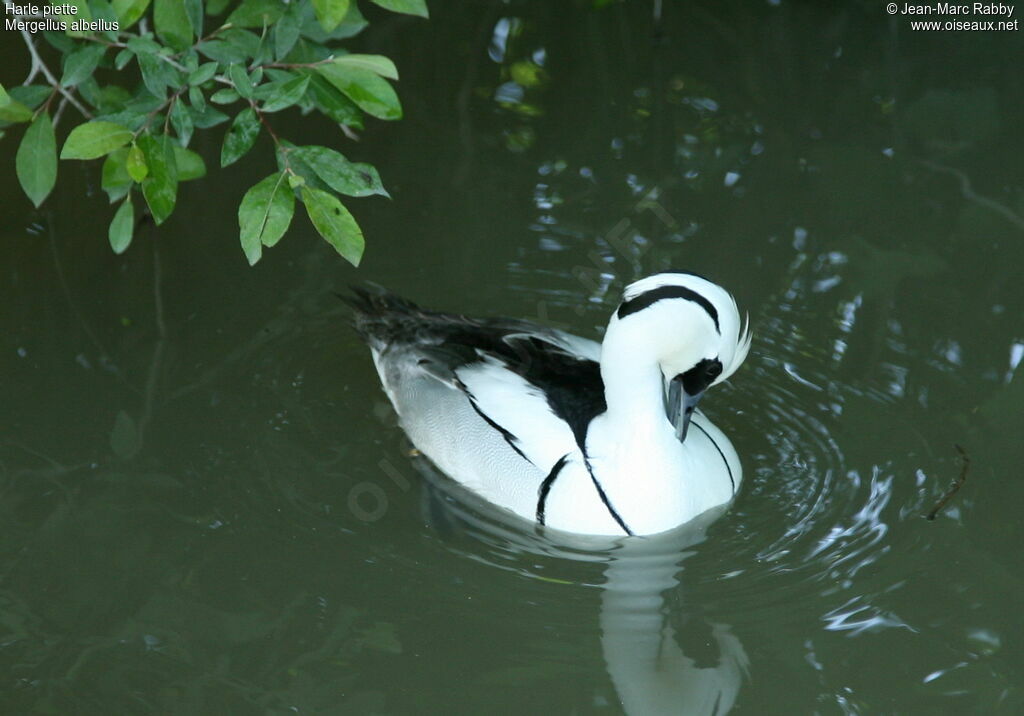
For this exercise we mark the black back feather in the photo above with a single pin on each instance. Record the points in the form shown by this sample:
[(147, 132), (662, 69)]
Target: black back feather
[(571, 384)]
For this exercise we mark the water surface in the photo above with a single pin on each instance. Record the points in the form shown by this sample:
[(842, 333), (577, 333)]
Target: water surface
[(207, 506)]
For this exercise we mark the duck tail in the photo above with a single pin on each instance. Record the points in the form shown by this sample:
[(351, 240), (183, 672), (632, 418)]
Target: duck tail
[(377, 313)]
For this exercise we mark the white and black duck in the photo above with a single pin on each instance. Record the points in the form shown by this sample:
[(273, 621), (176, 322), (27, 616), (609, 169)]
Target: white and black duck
[(593, 438)]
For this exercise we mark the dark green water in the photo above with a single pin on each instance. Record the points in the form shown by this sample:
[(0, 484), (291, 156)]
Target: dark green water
[(206, 507)]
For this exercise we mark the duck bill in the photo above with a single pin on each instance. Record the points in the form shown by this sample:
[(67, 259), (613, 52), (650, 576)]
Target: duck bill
[(680, 405)]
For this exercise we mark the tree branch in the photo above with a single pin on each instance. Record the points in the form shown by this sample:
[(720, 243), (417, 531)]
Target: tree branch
[(39, 65)]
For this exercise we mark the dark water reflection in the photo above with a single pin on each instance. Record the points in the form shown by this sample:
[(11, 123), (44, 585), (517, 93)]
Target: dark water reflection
[(206, 505)]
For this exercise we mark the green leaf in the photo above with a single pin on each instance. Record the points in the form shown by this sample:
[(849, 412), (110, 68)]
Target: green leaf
[(377, 64), (14, 111), (285, 94), (333, 103), (240, 79), (36, 161), (122, 226), (94, 139), (122, 58), (172, 24), (339, 173), (352, 25), (370, 92), (189, 60), (90, 90), (31, 95), (286, 31), (222, 52), (333, 221), (329, 13), (5, 99), (136, 112), (240, 137), (408, 7), (129, 11), (256, 13), (143, 45), (264, 215), (80, 64), (197, 98), (224, 96), (115, 178), (245, 41), (203, 73), (207, 117), (190, 165), (194, 12), (112, 97), (135, 164), (157, 75), (181, 119), (160, 188), (106, 99), (288, 160)]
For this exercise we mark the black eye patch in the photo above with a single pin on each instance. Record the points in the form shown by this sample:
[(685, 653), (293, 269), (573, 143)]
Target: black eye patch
[(700, 376)]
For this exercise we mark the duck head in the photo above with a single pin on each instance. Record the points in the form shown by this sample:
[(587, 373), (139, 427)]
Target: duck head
[(686, 326)]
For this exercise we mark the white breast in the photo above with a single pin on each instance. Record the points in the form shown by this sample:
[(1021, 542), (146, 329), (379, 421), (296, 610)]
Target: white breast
[(659, 483)]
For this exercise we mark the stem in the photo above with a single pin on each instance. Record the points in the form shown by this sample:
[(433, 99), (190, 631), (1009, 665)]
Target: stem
[(170, 101), (214, 33), (281, 150), (103, 41), (176, 65), (265, 123), (45, 106), (38, 64), (299, 65), (59, 112)]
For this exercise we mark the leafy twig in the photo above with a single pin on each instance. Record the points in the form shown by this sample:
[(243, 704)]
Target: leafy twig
[(965, 463)]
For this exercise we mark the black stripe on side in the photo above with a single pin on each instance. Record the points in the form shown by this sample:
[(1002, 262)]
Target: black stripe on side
[(720, 453), (545, 487), (649, 298), (509, 437), (604, 498)]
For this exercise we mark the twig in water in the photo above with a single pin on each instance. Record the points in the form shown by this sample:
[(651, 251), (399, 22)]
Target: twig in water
[(965, 462), (971, 195)]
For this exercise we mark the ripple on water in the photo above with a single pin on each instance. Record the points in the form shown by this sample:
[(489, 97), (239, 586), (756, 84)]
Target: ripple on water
[(808, 520)]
